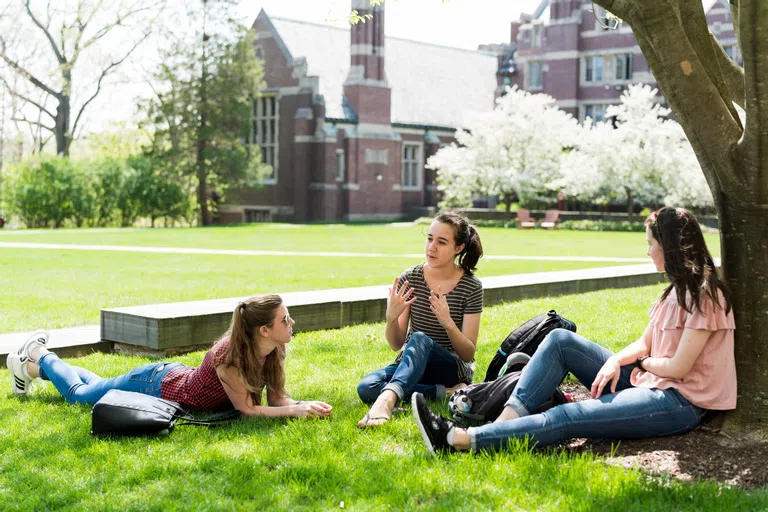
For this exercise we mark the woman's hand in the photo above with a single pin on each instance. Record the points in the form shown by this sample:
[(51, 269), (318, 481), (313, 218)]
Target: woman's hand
[(311, 409), (439, 306), (399, 300), (610, 372)]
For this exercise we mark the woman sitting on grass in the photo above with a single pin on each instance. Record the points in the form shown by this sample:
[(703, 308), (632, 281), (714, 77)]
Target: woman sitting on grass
[(662, 384), (247, 358), (442, 301)]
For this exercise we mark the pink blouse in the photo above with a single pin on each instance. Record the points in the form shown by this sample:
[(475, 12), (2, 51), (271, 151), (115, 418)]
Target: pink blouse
[(711, 381)]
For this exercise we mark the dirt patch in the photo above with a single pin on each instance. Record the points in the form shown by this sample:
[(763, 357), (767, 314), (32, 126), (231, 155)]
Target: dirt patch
[(704, 453)]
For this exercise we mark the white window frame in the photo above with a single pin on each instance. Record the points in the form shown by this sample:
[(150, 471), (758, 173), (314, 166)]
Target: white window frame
[(628, 61), (265, 132), (414, 165), (341, 165), (530, 84), (590, 63), (537, 35)]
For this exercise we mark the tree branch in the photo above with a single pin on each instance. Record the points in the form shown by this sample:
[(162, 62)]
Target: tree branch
[(47, 33), (19, 95), (23, 72), (25, 120), (103, 75), (733, 74)]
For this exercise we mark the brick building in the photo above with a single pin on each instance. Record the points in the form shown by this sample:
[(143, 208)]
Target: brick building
[(567, 50), (349, 118)]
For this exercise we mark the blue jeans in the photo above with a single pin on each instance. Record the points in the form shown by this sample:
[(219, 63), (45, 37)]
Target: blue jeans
[(80, 386), (425, 367), (629, 413)]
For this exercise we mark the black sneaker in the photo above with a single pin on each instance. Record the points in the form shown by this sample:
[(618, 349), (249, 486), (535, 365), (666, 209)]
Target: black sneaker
[(433, 428)]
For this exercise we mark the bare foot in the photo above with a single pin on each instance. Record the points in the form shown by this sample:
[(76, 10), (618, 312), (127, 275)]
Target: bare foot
[(381, 410), (450, 391)]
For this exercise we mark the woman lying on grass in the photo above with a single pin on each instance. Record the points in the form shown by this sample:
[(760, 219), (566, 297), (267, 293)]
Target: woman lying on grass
[(442, 302), (234, 372), (662, 384)]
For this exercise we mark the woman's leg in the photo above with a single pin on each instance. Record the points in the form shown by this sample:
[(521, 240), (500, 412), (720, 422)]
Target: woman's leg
[(629, 414), (561, 352), (68, 382), (425, 367), (370, 387)]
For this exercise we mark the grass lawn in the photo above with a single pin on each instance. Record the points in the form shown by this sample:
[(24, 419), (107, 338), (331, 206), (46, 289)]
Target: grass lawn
[(60, 288), (50, 461)]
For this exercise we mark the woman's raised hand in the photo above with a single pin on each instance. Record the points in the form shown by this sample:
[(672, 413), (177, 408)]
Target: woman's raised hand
[(439, 306), (398, 300), (610, 372), (311, 409)]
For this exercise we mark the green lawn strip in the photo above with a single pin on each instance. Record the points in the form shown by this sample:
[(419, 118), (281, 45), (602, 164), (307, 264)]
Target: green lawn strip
[(378, 238), (51, 461), (61, 288)]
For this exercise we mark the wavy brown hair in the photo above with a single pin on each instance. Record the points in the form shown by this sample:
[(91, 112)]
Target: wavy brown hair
[(687, 261), (247, 318), (464, 233)]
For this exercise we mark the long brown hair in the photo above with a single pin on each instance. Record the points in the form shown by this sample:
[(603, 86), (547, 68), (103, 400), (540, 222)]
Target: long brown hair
[(464, 233), (687, 261), (247, 318)]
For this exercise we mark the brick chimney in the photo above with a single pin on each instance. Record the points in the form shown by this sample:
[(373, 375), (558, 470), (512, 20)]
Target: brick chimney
[(514, 31), (366, 87)]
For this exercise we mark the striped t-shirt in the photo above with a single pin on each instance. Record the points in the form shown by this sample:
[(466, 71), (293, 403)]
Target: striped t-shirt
[(465, 298)]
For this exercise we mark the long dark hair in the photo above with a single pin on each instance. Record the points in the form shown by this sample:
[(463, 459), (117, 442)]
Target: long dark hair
[(247, 318), (687, 261), (464, 233)]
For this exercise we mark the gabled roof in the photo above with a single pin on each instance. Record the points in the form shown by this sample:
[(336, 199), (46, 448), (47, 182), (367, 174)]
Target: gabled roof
[(431, 85)]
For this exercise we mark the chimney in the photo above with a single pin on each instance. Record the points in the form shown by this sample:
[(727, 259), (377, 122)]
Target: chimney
[(514, 31), (366, 87)]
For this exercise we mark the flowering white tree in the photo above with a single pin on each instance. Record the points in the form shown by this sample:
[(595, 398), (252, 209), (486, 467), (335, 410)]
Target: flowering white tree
[(645, 158), (512, 152)]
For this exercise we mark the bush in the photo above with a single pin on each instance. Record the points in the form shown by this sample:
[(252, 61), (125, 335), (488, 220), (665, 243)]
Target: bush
[(602, 225)]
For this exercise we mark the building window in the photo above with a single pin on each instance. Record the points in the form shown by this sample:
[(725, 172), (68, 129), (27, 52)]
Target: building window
[(257, 215), (340, 165), (733, 52), (264, 132), (537, 30), (411, 165), (594, 69), (595, 112), (535, 78), (623, 66)]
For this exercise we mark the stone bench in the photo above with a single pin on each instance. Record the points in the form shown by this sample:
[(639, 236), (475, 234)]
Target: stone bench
[(182, 326)]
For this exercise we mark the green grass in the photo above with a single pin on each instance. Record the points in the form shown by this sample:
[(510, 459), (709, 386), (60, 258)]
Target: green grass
[(61, 288), (50, 461)]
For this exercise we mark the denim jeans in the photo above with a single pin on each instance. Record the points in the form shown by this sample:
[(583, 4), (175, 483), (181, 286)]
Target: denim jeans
[(425, 367), (629, 413), (80, 386)]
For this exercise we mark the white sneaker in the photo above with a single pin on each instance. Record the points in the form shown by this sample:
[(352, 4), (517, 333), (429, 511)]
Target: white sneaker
[(20, 379), (40, 337)]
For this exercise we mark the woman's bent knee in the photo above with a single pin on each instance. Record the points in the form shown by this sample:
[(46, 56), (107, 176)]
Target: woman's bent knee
[(368, 389), (420, 339)]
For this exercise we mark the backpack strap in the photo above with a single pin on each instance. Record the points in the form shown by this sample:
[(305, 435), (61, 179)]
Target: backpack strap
[(209, 421)]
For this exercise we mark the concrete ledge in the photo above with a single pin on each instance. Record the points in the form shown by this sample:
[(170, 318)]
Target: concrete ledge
[(68, 342), (171, 327)]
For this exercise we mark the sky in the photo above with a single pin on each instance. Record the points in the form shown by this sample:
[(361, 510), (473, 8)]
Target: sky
[(457, 23)]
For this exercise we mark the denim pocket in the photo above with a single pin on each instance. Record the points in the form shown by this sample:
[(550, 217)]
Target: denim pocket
[(146, 373)]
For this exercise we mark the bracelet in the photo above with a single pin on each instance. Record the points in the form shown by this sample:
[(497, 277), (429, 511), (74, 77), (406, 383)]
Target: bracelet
[(639, 362)]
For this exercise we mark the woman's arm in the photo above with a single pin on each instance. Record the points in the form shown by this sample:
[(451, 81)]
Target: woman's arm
[(464, 341), (637, 348), (678, 366), (240, 398), (610, 372)]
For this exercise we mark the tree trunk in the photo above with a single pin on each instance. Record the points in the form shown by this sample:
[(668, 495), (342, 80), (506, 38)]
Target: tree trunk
[(744, 238), (62, 126), (630, 203)]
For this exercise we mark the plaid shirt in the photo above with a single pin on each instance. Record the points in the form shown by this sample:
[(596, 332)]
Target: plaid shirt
[(198, 389)]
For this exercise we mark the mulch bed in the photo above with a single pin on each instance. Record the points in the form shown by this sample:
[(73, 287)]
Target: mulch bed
[(702, 454)]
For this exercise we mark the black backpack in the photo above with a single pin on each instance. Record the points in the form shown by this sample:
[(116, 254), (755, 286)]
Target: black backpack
[(482, 403), (526, 339)]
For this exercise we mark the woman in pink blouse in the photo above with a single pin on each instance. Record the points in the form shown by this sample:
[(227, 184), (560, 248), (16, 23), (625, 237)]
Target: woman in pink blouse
[(248, 358), (662, 384)]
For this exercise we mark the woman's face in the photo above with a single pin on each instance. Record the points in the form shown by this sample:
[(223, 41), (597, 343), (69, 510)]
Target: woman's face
[(441, 249), (281, 329), (655, 251)]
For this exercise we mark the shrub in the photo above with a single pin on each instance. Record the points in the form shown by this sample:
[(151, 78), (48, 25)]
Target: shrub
[(601, 225)]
